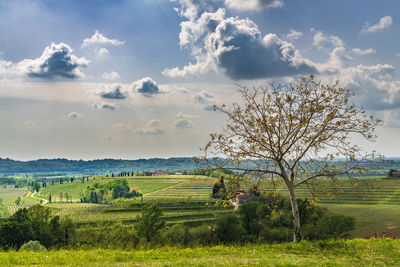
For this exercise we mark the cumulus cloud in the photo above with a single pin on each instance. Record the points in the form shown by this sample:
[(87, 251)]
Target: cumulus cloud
[(112, 91), (153, 123), (237, 47), (111, 76), (181, 115), (99, 39), (294, 35), (183, 124), (205, 100), (149, 131), (56, 61), (103, 105), (253, 5), (102, 52), (384, 23), (361, 52), (326, 42), (146, 86), (121, 127), (75, 115), (153, 127)]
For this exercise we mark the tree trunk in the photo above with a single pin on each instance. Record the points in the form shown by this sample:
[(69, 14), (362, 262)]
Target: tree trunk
[(295, 211)]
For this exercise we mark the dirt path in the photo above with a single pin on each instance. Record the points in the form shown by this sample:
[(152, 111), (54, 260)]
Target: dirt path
[(44, 200)]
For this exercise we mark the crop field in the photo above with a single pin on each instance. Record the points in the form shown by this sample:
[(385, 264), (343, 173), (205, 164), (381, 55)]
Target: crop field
[(356, 252), (173, 212), (364, 191), (144, 184), (9, 195)]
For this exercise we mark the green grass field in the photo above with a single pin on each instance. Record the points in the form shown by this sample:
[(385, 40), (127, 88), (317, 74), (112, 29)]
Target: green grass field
[(357, 252), (152, 186)]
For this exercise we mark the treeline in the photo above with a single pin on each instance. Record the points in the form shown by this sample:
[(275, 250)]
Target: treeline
[(96, 166)]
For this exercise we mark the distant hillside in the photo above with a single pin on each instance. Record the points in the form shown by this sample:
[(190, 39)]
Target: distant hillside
[(96, 166)]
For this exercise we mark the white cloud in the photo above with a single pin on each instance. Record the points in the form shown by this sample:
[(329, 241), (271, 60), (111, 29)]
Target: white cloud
[(253, 5), (183, 124), (102, 52), (153, 123), (384, 23), (361, 52), (237, 47), (99, 39), (113, 91), (111, 76), (205, 100), (104, 105), (75, 115), (57, 60), (326, 42), (146, 86), (153, 127), (294, 35), (121, 127), (181, 115)]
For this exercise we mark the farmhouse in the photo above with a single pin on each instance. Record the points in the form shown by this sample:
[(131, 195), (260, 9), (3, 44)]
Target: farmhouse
[(393, 235), (154, 173), (238, 198), (395, 174)]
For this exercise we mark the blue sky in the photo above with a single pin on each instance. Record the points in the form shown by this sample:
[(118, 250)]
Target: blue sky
[(137, 79)]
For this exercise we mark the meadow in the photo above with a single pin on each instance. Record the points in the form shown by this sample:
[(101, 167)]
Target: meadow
[(356, 252)]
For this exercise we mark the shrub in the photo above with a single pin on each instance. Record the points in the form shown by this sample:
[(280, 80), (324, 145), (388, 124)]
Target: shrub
[(177, 234), (149, 224), (32, 246), (202, 235), (276, 234), (228, 228)]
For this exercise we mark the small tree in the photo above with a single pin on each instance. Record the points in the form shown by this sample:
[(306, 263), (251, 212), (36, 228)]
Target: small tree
[(294, 133), (150, 223), (18, 200), (60, 195), (219, 188)]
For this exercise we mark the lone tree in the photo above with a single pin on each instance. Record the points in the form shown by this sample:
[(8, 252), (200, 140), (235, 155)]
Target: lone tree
[(294, 132)]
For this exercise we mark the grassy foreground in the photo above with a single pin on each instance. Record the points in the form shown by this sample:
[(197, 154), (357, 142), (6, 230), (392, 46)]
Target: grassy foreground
[(356, 252)]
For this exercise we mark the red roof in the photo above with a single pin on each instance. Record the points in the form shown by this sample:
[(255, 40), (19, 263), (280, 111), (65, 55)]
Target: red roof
[(393, 235)]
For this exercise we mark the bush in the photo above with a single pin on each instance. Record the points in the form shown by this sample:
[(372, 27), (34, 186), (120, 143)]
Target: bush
[(228, 228), (271, 235), (32, 246), (178, 234), (150, 224), (202, 235)]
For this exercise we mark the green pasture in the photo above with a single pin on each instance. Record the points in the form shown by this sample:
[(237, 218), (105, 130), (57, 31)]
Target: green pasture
[(370, 218), (173, 212), (144, 184), (361, 191), (357, 252), (9, 195)]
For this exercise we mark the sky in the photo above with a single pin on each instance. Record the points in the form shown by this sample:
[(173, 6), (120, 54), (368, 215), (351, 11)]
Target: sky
[(130, 79)]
